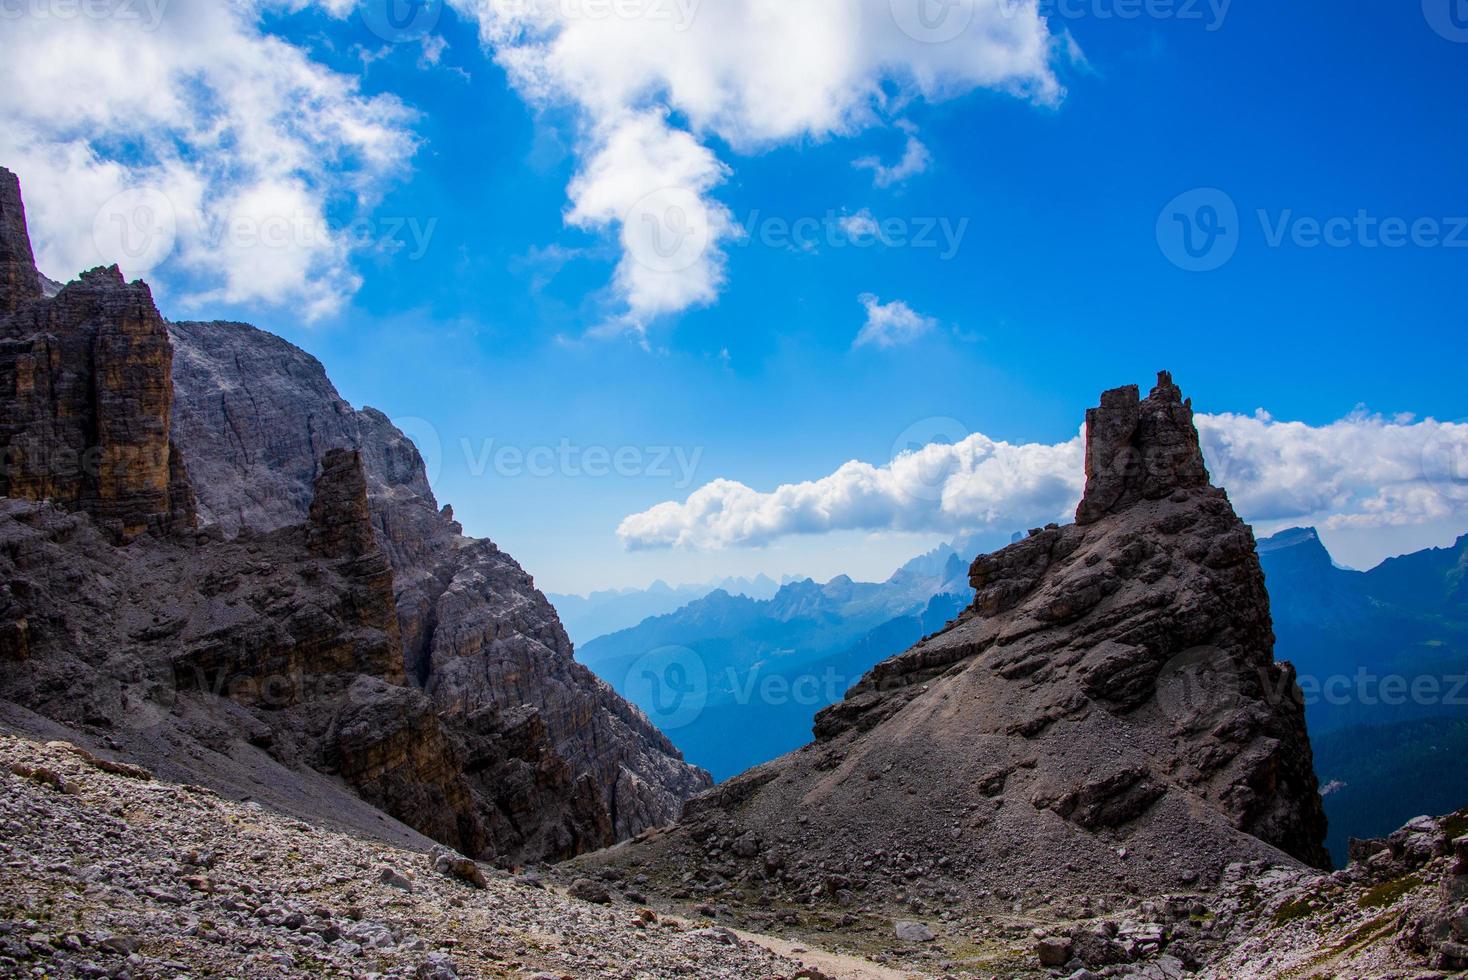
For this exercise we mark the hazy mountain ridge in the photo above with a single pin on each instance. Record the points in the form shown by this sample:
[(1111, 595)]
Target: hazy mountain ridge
[(1382, 657), (753, 653), (596, 614)]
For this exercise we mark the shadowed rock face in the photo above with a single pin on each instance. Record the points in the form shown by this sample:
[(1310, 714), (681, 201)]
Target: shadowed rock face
[(477, 633), (84, 377), (1106, 718), (279, 637), (1147, 620)]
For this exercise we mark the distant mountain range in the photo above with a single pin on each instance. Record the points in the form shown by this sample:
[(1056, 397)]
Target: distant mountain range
[(1382, 658), (762, 668), (589, 616), (1383, 662)]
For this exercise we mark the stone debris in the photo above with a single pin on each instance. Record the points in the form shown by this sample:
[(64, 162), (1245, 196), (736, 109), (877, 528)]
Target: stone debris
[(120, 877)]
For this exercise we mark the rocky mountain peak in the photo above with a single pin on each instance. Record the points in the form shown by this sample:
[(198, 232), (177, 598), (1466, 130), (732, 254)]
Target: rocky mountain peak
[(1139, 449), (302, 606), (19, 280), (1107, 717)]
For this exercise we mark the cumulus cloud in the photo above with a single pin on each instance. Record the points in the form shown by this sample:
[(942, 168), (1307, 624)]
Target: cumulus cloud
[(891, 324), (656, 80), (182, 137), (915, 160), (863, 224), (1363, 470)]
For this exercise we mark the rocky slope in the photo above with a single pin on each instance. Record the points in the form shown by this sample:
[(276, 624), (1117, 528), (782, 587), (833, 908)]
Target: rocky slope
[(1106, 720), (323, 617), (106, 872)]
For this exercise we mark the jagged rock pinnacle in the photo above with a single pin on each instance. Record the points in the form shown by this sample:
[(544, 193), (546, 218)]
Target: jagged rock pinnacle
[(341, 523), (19, 280), (1139, 449)]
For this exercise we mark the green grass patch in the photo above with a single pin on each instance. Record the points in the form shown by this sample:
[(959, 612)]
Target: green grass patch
[(1295, 909), (1383, 895)]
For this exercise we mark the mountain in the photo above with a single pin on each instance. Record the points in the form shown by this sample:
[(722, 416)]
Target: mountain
[(1373, 647), (599, 613), (215, 565), (729, 662), (1383, 662), (1107, 718)]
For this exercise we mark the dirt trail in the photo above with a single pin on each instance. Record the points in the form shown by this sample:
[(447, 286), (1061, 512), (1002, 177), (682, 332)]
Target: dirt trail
[(837, 965)]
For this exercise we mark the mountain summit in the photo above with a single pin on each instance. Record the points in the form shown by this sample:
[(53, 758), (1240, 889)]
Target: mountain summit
[(211, 564), (1106, 718)]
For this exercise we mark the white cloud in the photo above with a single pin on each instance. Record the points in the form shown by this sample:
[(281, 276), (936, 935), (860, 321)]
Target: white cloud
[(1362, 471), (915, 160), (668, 76), (229, 147), (891, 324), (651, 182), (860, 225)]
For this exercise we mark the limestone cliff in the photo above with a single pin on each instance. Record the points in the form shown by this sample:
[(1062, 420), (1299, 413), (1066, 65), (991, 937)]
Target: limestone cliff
[(19, 280)]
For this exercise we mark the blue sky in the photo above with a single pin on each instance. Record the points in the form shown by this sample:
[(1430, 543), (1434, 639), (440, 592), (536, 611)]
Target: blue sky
[(502, 324)]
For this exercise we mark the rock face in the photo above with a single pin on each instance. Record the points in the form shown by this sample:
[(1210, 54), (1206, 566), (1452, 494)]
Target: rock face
[(251, 411), (1139, 450), (84, 377), (326, 618), (1106, 718), (19, 280)]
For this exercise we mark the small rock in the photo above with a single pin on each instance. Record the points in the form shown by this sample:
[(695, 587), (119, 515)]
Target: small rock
[(438, 966), (1053, 951), (914, 932), (589, 891), (447, 862), (121, 945), (395, 879)]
